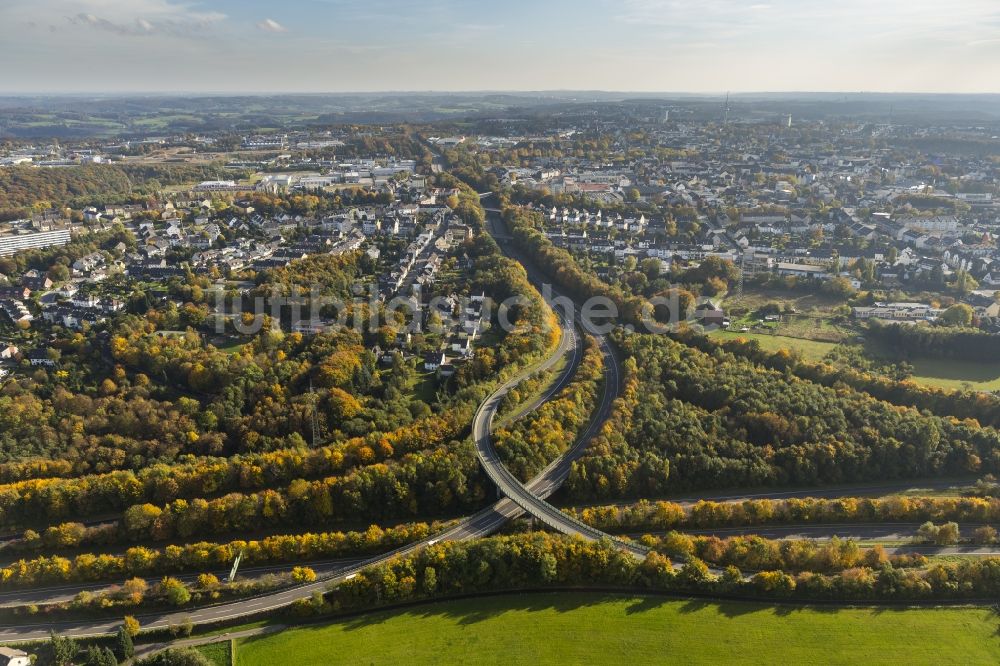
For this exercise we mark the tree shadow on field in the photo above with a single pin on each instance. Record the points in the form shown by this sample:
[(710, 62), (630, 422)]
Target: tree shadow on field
[(469, 611), (695, 605), (647, 603), (729, 609)]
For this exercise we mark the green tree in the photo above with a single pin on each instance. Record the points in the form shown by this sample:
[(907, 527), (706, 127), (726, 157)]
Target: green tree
[(97, 656), (965, 283), (182, 630), (124, 647), (985, 535), (959, 314), (62, 649), (430, 580), (651, 267), (695, 572), (838, 287), (59, 273)]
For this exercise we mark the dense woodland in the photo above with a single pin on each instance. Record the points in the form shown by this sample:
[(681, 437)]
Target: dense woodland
[(25, 188), (714, 418), (165, 437), (144, 392), (720, 420), (754, 553), (981, 406)]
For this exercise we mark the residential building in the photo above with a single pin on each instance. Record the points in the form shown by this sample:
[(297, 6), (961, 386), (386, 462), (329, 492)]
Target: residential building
[(13, 657), (897, 312), (11, 243)]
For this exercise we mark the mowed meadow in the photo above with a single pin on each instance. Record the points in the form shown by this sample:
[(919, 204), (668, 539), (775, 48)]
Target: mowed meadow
[(574, 628)]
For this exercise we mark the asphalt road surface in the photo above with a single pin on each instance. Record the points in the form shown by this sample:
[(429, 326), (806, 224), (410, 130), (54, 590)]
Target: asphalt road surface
[(519, 498), (478, 525)]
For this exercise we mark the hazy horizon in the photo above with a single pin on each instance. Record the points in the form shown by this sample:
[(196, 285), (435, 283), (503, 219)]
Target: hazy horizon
[(624, 94), (638, 46)]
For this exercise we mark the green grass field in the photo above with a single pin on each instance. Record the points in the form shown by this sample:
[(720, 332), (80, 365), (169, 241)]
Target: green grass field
[(220, 654), (811, 350), (231, 346), (939, 373), (423, 385), (950, 374), (754, 298), (577, 628)]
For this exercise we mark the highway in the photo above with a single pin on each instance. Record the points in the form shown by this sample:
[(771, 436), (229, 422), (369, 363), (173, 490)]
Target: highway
[(880, 532), (916, 488), (519, 498), (849, 490), (58, 593), (888, 531), (478, 525), (896, 536), (531, 497)]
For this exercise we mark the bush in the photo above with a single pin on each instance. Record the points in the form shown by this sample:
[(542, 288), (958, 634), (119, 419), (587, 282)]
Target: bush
[(174, 591), (303, 575), (131, 626), (182, 630), (176, 657), (941, 535), (984, 535)]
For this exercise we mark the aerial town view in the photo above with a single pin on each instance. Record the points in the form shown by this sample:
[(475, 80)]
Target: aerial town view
[(385, 333)]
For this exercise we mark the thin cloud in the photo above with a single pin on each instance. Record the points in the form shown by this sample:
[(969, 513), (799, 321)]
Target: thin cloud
[(140, 18), (984, 42), (132, 28), (912, 17), (270, 25)]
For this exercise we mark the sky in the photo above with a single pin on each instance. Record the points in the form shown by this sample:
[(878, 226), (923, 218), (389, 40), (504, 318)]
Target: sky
[(102, 46)]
